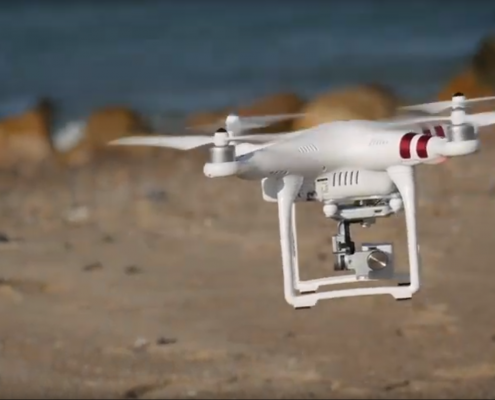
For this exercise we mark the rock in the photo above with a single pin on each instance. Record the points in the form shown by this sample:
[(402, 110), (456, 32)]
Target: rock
[(483, 62), (112, 123), (281, 103), (103, 126), (25, 138), (477, 79), (465, 82), (132, 270), (369, 101), (96, 266), (164, 341), (206, 118)]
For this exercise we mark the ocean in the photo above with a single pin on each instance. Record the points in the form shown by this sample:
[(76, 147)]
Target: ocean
[(175, 57)]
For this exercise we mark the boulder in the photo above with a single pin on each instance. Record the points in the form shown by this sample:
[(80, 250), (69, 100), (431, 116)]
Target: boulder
[(477, 79), (25, 138), (101, 127), (483, 62), (206, 118), (466, 82), (370, 101), (280, 103), (111, 123)]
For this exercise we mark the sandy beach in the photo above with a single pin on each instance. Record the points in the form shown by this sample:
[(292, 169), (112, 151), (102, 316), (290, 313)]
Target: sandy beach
[(152, 281)]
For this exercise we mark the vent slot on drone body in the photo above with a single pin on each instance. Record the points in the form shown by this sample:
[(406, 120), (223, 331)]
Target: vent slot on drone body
[(345, 178), (279, 174), (309, 148)]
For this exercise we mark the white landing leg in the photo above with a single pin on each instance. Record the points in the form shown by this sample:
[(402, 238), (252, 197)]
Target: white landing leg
[(294, 245), (312, 285), (403, 177), (289, 188)]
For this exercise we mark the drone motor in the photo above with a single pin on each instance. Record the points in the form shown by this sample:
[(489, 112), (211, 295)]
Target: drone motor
[(222, 154), (222, 151), (460, 131)]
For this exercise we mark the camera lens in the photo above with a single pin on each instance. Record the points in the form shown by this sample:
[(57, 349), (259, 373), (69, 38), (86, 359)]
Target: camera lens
[(377, 259)]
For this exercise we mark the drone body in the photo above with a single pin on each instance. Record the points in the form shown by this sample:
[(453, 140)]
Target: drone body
[(358, 170)]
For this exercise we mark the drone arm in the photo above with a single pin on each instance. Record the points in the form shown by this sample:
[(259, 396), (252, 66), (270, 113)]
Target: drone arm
[(403, 177), (289, 187)]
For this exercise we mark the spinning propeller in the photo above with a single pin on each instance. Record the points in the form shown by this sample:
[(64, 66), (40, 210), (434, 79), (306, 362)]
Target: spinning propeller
[(458, 104), (457, 100), (464, 126), (457, 116), (232, 133), (462, 135), (235, 124)]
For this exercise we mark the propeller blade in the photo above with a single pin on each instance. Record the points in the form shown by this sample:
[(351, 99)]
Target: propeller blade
[(402, 122), (261, 138), (174, 142), (238, 124), (481, 119), (439, 106), (190, 142), (266, 120)]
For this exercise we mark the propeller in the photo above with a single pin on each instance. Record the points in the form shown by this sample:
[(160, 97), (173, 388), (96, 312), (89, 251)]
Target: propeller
[(235, 124), (221, 138), (479, 120), (462, 138), (458, 117), (458, 100)]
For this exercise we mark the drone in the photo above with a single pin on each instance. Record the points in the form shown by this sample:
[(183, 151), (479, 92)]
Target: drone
[(359, 170)]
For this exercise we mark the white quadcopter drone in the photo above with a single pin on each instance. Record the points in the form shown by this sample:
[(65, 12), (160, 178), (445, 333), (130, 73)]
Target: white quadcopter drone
[(360, 170)]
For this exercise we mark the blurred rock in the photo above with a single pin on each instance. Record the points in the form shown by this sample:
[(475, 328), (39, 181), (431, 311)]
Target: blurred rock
[(111, 123), (483, 62), (25, 138), (201, 119), (466, 82), (103, 126), (477, 79), (280, 103), (371, 101)]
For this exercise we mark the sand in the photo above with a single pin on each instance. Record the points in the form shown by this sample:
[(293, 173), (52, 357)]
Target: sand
[(147, 280)]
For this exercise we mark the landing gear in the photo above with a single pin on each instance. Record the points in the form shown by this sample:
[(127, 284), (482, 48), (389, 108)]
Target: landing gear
[(370, 262)]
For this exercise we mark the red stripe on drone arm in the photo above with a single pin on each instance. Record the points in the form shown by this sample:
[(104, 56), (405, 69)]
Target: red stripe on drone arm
[(405, 145), (422, 146), (439, 131)]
